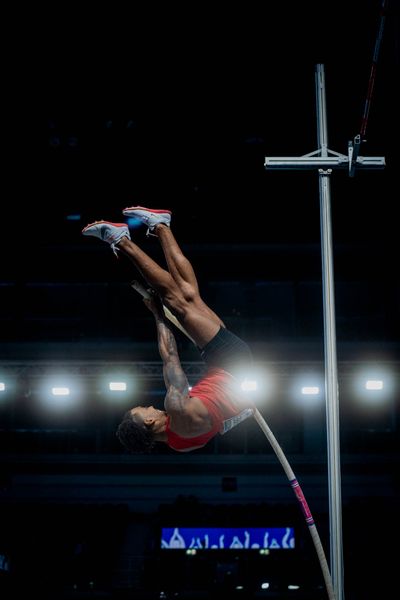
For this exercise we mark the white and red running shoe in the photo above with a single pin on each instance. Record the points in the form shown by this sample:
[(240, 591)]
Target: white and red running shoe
[(111, 233), (149, 216)]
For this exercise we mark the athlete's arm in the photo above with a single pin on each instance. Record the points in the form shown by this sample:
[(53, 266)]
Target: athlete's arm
[(175, 379)]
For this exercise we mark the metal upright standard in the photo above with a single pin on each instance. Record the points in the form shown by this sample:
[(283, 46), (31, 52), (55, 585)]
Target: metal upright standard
[(325, 160)]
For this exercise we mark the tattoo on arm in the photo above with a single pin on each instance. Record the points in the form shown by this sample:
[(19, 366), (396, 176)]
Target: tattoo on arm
[(174, 376)]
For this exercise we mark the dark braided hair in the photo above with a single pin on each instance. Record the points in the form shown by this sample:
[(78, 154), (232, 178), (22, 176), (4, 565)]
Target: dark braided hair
[(134, 436)]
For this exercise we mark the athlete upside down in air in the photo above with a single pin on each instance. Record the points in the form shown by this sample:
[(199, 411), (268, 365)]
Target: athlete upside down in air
[(192, 416)]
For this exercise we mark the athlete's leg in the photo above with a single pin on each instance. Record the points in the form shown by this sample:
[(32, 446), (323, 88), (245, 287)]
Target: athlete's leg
[(192, 314), (156, 277), (178, 265), (158, 223), (182, 271)]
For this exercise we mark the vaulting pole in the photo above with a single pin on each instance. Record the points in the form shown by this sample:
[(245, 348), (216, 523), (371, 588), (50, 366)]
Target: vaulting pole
[(301, 498)]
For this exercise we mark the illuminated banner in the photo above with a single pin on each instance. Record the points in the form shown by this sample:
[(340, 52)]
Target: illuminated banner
[(235, 538)]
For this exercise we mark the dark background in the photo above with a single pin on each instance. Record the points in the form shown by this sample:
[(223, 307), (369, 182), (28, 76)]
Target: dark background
[(177, 107)]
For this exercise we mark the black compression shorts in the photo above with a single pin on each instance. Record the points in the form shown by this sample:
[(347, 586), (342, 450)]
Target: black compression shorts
[(226, 351)]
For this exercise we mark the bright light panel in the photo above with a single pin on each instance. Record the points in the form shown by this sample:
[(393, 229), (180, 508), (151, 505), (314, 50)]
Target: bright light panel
[(60, 391), (249, 385), (374, 384), (117, 386), (310, 390)]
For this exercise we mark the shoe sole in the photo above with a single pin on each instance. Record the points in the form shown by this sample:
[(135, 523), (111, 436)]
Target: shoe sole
[(101, 223), (158, 211)]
